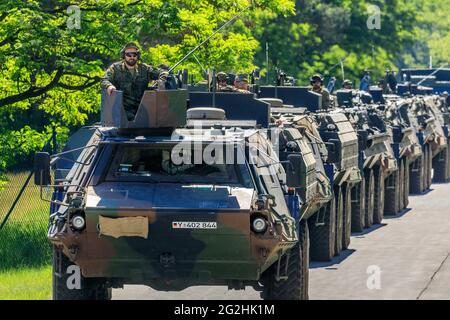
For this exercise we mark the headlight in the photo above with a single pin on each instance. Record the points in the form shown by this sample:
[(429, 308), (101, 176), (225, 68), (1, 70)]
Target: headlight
[(78, 222), (259, 225)]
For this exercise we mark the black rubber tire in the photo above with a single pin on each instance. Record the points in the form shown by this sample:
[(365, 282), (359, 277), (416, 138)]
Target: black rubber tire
[(401, 182), (296, 286), (440, 163), (426, 166), (304, 243), (370, 198), (392, 193), (430, 167), (359, 205), (347, 218), (448, 160), (378, 210), (416, 176), (91, 288), (406, 185), (323, 237), (339, 197)]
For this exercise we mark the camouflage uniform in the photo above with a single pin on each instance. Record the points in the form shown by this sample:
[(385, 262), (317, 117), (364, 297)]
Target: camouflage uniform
[(241, 78), (222, 76), (132, 83), (326, 100)]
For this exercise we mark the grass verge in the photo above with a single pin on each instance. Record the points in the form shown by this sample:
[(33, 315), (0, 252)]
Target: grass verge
[(26, 284)]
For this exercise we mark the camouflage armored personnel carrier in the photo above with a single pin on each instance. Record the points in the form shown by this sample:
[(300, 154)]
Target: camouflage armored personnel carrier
[(440, 163), (299, 132), (407, 149), (299, 138), (341, 161), (234, 221), (377, 160), (431, 136)]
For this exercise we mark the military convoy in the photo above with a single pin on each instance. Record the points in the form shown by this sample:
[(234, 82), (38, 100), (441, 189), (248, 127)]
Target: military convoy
[(234, 189)]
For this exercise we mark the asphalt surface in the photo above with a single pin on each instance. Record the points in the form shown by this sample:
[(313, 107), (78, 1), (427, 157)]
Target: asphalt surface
[(406, 257)]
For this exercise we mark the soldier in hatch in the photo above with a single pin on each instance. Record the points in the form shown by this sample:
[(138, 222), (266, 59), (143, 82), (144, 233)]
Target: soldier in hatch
[(317, 86), (222, 83), (241, 83), (131, 77), (347, 84)]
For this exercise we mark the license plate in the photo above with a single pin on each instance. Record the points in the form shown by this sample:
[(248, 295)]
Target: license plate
[(193, 225)]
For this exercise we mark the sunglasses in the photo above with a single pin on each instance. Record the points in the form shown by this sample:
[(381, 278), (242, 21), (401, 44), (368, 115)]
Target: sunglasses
[(131, 54)]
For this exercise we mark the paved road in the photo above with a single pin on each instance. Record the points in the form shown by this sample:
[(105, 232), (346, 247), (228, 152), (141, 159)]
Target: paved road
[(407, 257)]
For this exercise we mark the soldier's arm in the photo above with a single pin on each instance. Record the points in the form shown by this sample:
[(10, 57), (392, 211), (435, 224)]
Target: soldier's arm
[(107, 78), (153, 74)]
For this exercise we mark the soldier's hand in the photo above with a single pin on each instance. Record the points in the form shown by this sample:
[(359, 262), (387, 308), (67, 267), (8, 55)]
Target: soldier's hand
[(163, 75), (110, 90)]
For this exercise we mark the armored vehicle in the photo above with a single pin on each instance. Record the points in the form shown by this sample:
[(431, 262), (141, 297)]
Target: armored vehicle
[(340, 162), (377, 160), (290, 138), (299, 134), (407, 150), (431, 137), (440, 163), (172, 203)]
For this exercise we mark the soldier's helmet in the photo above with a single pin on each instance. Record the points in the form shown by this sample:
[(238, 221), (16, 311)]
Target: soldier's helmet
[(128, 46), (347, 82), (316, 77), (221, 76)]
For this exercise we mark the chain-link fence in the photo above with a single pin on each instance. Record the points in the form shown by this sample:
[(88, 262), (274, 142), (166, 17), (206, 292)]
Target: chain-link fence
[(23, 221)]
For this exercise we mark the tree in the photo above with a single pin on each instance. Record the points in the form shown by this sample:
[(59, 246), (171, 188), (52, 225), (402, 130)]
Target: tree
[(52, 54), (320, 34)]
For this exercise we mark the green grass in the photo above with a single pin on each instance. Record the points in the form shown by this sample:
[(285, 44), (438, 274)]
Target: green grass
[(24, 245), (23, 239), (26, 284)]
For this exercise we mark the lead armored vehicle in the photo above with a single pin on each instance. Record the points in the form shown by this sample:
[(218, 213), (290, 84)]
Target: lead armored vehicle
[(154, 201)]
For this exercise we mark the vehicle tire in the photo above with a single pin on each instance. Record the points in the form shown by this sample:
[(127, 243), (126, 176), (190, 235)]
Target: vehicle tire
[(359, 206), (426, 165), (416, 176), (296, 286), (392, 193), (406, 186), (448, 160), (378, 210), (440, 163), (304, 243), (347, 218), (84, 288), (401, 182), (339, 197), (430, 167), (370, 198), (322, 237)]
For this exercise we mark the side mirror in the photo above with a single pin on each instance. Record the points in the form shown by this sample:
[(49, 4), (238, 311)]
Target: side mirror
[(42, 169), (294, 176)]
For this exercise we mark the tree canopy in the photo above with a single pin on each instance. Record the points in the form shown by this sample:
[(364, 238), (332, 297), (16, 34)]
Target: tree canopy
[(53, 52)]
